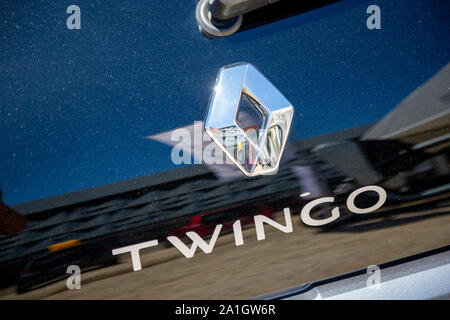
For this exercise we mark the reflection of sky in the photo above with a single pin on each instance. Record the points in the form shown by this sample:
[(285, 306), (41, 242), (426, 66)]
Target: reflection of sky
[(75, 105)]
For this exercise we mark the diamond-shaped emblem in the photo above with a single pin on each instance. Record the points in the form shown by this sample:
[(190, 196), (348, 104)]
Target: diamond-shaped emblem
[(249, 119)]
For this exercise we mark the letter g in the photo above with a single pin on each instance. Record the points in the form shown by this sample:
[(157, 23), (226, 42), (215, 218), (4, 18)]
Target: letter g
[(306, 217)]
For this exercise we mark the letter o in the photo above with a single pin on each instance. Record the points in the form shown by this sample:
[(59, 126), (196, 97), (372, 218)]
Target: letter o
[(351, 199)]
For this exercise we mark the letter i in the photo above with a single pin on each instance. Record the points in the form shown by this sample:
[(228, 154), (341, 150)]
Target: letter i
[(237, 230)]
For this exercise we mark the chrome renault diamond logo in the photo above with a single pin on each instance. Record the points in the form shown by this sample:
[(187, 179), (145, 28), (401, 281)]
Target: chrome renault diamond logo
[(249, 119)]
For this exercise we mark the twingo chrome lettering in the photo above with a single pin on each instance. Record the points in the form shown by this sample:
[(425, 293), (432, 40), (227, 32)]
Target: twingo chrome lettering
[(249, 119), (259, 220)]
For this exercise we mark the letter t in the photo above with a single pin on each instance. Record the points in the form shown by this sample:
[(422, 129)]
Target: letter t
[(134, 249)]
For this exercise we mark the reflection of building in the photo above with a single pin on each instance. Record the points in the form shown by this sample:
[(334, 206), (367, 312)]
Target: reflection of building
[(239, 146), (141, 209), (231, 137), (423, 115), (151, 207)]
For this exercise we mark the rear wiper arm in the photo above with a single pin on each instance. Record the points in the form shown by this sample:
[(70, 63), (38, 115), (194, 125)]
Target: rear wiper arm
[(221, 18), (228, 9)]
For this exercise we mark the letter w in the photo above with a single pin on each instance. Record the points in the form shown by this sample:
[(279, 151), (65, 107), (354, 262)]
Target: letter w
[(260, 219), (197, 241)]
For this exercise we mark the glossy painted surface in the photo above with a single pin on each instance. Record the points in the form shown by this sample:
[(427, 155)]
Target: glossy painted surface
[(76, 104)]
